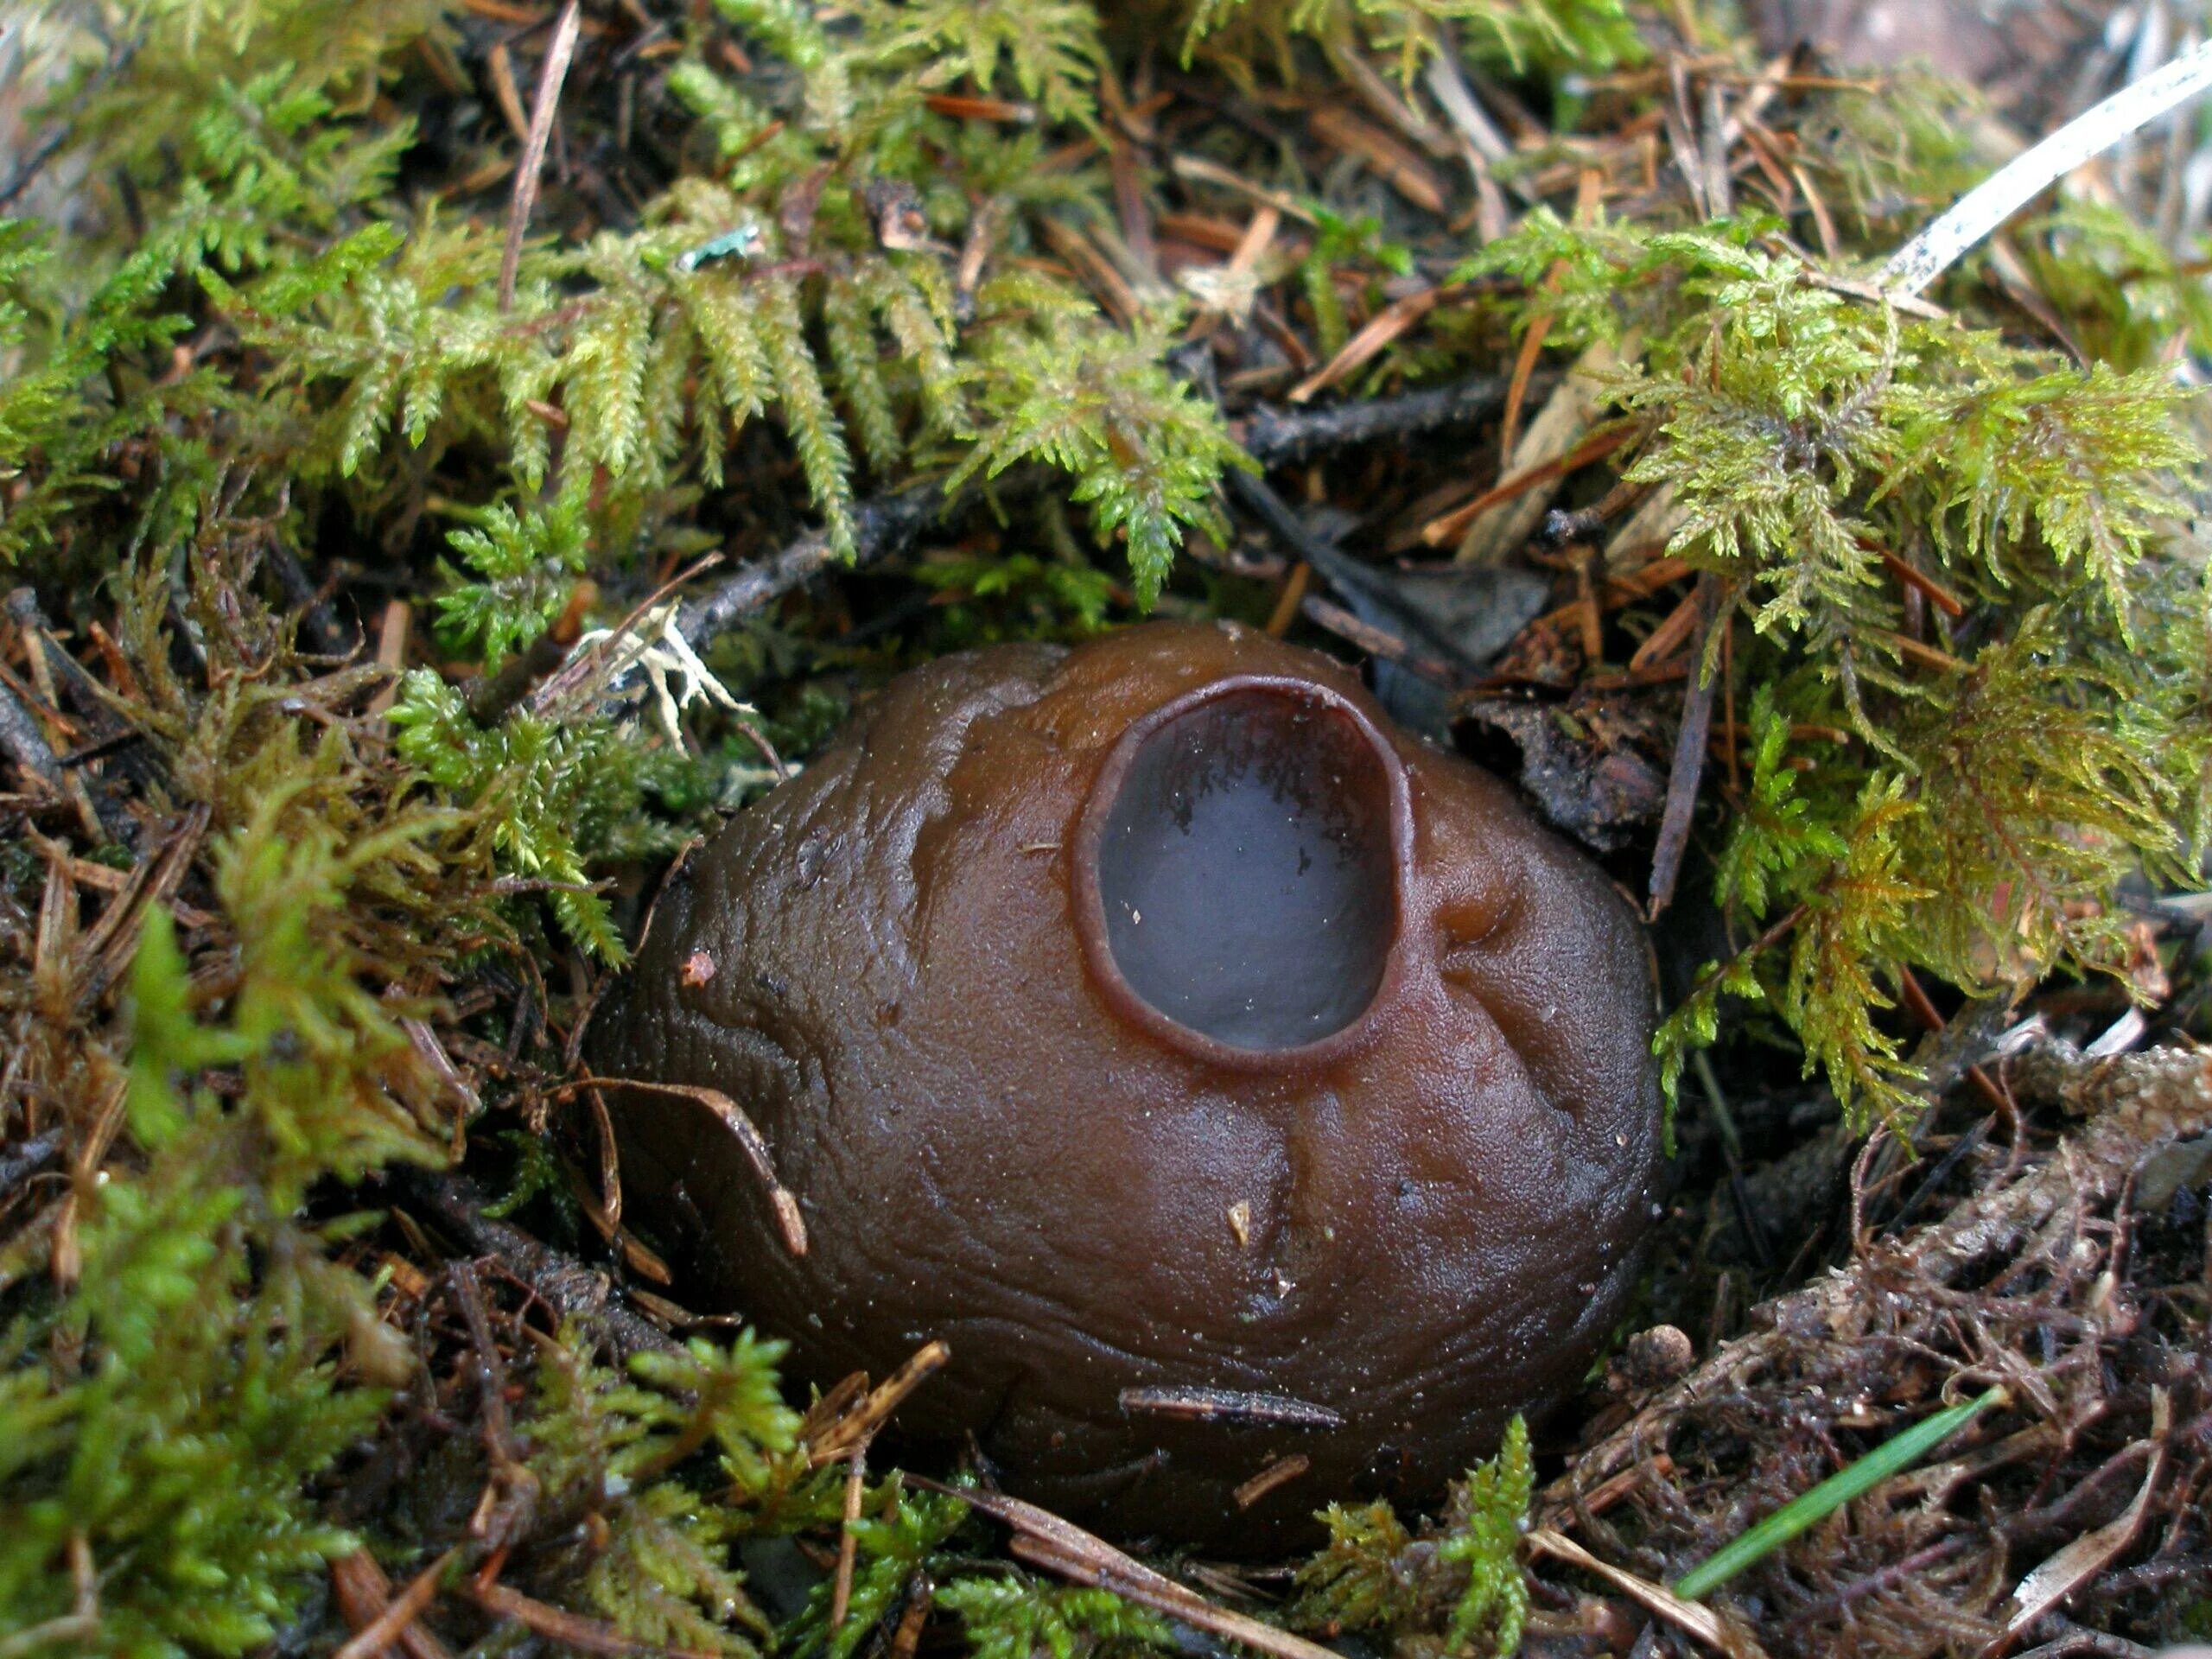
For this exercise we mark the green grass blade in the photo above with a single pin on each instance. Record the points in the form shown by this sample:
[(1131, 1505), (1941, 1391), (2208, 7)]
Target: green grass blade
[(1830, 1495)]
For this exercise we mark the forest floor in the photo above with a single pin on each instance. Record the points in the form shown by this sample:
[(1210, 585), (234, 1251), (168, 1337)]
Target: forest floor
[(411, 409)]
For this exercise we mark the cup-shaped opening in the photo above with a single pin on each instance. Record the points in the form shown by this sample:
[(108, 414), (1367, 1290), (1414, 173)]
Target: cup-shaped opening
[(1240, 869)]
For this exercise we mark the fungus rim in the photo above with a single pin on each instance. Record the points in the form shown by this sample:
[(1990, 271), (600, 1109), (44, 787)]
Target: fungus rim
[(1090, 903)]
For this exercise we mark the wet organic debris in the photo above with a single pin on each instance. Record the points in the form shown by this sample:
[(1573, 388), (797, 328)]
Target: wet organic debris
[(379, 379), (2041, 1279)]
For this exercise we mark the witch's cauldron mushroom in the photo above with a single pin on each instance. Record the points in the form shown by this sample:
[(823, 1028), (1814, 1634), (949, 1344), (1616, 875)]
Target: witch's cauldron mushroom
[(1147, 1018)]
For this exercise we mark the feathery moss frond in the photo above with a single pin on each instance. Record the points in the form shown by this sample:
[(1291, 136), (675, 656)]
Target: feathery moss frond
[(1144, 450), (898, 1534), (1049, 48), (525, 567), (1006, 1618), (1355, 1581), (1485, 1538), (1588, 35), (608, 1447), (549, 794)]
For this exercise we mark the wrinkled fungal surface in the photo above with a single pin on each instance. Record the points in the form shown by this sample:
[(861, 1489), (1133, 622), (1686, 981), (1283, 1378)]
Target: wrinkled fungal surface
[(1145, 1019)]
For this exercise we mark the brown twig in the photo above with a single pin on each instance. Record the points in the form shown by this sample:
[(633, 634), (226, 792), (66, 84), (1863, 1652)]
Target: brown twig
[(1276, 436), (491, 1368), (1351, 578), (543, 107), (22, 742), (491, 698), (1379, 642), (1272, 435), (382, 1631), (881, 527)]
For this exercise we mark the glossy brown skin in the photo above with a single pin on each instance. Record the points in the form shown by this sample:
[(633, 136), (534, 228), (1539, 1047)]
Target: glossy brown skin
[(884, 962)]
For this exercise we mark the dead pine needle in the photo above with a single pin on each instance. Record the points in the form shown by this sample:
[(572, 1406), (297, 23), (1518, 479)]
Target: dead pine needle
[(851, 1428), (791, 1225), (384, 1630), (1280, 1473), (1230, 1406), (1689, 754), (1043, 1539), (1387, 324), (840, 1591), (543, 108), (1685, 1615)]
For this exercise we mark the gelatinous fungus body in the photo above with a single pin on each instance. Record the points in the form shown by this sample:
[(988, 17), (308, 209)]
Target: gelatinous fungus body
[(1226, 1077)]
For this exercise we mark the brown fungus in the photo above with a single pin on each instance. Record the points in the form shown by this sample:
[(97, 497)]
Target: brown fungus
[(1226, 1077)]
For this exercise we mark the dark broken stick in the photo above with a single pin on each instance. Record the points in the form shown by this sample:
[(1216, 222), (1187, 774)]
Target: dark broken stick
[(492, 699), (32, 1157), (1280, 437), (889, 523), (89, 697), (881, 528), (1356, 580)]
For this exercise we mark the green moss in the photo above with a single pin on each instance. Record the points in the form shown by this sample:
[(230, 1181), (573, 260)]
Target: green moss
[(1009, 1619), (897, 1536), (1991, 791), (604, 1450), (1357, 1581), (1486, 1541), (150, 1474)]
